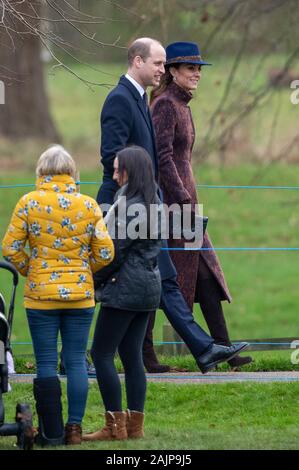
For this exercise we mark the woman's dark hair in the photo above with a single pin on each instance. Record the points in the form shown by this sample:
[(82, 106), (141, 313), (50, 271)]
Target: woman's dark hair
[(166, 79), (137, 163)]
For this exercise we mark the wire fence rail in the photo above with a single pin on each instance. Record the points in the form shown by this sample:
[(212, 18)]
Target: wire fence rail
[(205, 186), (171, 343)]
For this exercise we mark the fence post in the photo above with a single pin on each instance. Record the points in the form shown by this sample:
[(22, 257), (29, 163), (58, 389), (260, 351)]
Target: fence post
[(171, 336), (2, 92), (168, 338)]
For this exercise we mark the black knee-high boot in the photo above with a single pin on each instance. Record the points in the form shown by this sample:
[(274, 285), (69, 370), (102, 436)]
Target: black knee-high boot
[(47, 394), (150, 360), (210, 304)]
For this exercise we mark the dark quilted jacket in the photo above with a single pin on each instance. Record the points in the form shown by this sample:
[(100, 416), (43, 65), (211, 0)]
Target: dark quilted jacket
[(132, 281)]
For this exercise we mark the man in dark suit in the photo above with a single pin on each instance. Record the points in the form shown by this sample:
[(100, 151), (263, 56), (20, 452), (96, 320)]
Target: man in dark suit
[(125, 120)]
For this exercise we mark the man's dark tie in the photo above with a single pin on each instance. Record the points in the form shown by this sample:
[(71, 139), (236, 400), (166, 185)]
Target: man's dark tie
[(145, 103)]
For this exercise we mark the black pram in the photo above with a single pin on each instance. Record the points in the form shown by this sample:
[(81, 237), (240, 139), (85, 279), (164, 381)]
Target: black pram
[(22, 428)]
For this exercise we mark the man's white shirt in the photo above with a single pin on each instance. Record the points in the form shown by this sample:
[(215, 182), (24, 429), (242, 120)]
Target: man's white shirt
[(136, 84)]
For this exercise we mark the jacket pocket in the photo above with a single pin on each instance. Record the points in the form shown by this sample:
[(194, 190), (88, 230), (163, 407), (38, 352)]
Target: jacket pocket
[(105, 290)]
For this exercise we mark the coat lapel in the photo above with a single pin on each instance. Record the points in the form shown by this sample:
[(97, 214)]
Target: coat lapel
[(146, 116), (124, 81)]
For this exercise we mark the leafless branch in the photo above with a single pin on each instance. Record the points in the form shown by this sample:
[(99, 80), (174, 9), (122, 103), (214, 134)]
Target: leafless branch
[(229, 82), (273, 128), (122, 8), (59, 63), (256, 99), (223, 22), (217, 137), (281, 155), (81, 13), (19, 22), (67, 20)]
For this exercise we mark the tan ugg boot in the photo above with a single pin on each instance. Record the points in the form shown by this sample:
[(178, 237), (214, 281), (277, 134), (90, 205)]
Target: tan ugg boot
[(73, 434), (115, 428), (135, 420)]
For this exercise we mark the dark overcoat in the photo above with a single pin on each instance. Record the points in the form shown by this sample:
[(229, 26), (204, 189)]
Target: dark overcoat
[(175, 135), (124, 122)]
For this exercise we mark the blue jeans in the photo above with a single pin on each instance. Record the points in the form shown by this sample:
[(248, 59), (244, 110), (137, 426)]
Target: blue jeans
[(74, 326)]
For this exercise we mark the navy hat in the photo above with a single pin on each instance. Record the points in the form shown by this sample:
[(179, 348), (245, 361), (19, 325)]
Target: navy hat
[(184, 53)]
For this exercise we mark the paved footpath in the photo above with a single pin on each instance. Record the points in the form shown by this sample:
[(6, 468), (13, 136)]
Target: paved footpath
[(182, 378)]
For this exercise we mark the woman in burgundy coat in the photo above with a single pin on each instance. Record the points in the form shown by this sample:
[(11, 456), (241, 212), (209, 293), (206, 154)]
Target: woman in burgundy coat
[(200, 276)]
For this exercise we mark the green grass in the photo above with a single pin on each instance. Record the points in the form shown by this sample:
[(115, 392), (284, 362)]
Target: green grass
[(263, 284), (263, 361), (76, 109), (224, 416), (77, 112)]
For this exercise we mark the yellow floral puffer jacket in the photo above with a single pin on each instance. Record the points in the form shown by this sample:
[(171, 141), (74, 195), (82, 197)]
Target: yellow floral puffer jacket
[(68, 241)]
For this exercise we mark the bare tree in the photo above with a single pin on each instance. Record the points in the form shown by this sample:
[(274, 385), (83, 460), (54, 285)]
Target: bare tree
[(27, 27), (237, 30), (26, 111), (238, 103)]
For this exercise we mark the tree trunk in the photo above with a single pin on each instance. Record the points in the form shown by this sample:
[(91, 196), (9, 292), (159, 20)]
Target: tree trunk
[(26, 109)]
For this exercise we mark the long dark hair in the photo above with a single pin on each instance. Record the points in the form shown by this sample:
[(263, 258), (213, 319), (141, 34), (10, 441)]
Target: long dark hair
[(165, 81), (137, 164)]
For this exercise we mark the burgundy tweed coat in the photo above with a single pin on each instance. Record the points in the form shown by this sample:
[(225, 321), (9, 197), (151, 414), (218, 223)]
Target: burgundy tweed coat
[(175, 135)]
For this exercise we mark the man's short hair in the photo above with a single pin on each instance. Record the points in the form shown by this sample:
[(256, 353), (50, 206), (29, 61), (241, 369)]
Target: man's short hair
[(140, 47)]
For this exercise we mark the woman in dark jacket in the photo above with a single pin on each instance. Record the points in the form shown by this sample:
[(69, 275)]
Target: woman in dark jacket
[(129, 291), (200, 276)]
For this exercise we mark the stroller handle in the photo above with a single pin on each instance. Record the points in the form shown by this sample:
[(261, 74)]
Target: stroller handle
[(12, 269)]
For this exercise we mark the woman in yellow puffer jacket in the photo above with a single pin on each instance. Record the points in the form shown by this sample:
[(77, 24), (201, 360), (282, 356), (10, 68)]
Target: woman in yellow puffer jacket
[(68, 241)]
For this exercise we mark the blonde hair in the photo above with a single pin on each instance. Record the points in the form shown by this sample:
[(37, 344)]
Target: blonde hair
[(56, 161)]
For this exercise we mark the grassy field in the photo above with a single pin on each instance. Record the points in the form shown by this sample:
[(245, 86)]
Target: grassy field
[(225, 416), (267, 129), (257, 138), (263, 361), (263, 284)]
